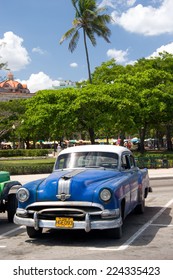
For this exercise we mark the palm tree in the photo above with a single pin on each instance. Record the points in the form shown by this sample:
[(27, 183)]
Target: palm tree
[(91, 20)]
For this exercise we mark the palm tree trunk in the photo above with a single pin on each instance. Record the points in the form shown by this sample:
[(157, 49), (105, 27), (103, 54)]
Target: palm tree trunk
[(87, 56)]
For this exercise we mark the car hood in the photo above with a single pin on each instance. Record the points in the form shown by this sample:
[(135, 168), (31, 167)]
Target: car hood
[(75, 185)]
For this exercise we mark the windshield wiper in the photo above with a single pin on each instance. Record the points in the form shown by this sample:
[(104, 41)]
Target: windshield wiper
[(93, 166)]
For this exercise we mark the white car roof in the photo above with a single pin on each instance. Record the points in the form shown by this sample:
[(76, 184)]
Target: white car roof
[(96, 148)]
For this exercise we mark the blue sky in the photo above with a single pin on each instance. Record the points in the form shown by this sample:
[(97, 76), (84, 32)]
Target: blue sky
[(30, 32)]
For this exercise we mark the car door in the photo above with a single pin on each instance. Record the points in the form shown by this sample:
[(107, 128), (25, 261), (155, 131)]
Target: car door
[(131, 187), (134, 181)]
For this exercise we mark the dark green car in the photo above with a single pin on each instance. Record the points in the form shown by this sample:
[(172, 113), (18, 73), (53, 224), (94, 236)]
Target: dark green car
[(8, 201)]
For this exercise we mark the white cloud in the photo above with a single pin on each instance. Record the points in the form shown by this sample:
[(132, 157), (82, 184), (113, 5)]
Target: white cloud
[(74, 65), (109, 3), (117, 3), (147, 20), (12, 52), (131, 2), (40, 81), (38, 50), (119, 55), (164, 48)]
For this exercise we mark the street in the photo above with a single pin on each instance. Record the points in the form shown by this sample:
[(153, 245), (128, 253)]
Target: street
[(147, 236)]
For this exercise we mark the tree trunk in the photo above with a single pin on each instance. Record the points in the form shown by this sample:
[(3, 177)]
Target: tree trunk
[(92, 136), (87, 56), (142, 133), (27, 144), (122, 137), (168, 138)]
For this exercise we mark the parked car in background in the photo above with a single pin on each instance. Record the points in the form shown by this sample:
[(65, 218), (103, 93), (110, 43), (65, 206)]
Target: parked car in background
[(91, 187), (8, 189)]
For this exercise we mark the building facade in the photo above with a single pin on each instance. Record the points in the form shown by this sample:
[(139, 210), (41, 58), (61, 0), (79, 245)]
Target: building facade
[(11, 89)]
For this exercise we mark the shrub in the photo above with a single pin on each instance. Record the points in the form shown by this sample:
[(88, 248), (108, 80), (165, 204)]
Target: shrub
[(28, 169), (24, 153)]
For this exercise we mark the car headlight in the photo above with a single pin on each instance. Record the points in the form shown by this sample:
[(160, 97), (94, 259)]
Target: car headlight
[(22, 194), (105, 195)]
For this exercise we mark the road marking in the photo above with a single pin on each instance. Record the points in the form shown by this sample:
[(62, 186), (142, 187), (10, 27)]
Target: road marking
[(138, 233), (11, 231), (161, 225)]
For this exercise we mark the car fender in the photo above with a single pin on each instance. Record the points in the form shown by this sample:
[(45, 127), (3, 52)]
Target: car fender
[(10, 187)]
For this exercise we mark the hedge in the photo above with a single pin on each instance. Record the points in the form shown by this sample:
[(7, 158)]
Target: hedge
[(22, 166), (24, 153), (154, 162), (48, 167), (28, 169)]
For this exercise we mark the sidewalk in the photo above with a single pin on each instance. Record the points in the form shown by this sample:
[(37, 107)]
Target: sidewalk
[(23, 179), (160, 173)]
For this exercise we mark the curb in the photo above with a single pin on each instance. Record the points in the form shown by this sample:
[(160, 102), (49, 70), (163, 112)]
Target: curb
[(166, 177)]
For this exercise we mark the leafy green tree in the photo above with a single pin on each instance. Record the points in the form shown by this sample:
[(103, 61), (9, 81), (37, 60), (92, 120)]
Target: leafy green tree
[(166, 119), (61, 113), (91, 110), (39, 116), (148, 100), (133, 99), (10, 117), (48, 116), (163, 65), (91, 20), (107, 72)]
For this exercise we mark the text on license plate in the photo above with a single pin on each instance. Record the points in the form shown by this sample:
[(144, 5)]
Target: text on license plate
[(64, 222)]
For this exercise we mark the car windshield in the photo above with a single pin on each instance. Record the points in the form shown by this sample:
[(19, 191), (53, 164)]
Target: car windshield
[(87, 160)]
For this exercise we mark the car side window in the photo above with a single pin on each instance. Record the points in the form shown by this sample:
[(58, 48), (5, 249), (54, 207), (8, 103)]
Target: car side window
[(132, 161), (125, 162), (128, 161)]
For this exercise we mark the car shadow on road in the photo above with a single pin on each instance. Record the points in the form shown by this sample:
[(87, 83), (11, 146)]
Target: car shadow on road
[(140, 229)]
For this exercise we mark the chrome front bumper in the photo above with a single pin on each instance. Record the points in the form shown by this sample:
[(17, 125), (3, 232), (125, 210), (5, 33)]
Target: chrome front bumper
[(108, 222)]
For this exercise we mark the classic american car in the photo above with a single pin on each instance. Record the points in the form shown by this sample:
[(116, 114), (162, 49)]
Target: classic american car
[(91, 187), (8, 189)]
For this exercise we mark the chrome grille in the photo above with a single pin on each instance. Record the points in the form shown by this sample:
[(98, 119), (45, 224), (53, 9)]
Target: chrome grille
[(64, 209)]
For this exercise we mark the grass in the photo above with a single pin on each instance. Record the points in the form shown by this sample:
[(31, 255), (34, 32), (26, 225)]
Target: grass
[(25, 162)]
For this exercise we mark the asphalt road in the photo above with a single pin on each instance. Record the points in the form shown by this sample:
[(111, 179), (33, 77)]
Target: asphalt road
[(147, 236)]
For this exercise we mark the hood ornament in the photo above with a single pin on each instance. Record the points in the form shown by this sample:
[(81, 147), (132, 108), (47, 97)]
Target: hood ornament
[(63, 196)]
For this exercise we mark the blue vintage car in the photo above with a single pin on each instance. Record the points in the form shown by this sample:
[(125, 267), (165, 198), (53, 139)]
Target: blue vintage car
[(91, 187)]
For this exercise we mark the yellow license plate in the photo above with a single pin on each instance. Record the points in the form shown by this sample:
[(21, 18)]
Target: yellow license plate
[(64, 222)]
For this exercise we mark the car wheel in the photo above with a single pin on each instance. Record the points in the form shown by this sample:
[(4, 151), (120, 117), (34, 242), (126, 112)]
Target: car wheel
[(33, 233), (11, 207), (115, 232), (140, 208)]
